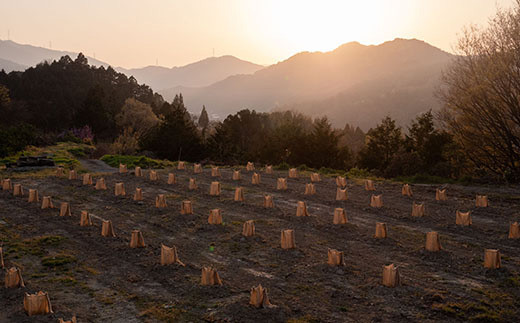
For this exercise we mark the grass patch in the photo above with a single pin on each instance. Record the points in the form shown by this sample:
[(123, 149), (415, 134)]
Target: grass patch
[(304, 168), (107, 300), (77, 152), (424, 179), (133, 161), (513, 281), (59, 260), (331, 172), (49, 240), (40, 173), (226, 187), (38, 275), (63, 153), (430, 179), (361, 173), (282, 166), (304, 319), (492, 307), (16, 248), (161, 312), (64, 281), (90, 270)]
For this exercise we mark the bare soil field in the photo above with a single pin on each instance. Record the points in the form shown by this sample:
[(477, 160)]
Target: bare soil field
[(104, 280)]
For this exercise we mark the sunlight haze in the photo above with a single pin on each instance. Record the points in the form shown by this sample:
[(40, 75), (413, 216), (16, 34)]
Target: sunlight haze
[(132, 33)]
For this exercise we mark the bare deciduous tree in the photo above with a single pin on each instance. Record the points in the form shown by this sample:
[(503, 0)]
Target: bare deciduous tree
[(481, 94)]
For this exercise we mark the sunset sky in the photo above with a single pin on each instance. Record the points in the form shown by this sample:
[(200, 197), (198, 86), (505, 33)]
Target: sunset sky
[(133, 33)]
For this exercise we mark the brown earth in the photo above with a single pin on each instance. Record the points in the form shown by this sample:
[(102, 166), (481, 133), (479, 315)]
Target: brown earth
[(103, 280)]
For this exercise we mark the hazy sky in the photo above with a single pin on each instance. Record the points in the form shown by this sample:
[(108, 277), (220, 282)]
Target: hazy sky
[(134, 33)]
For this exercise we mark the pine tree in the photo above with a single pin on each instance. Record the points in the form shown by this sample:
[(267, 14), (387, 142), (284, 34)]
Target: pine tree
[(383, 142), (176, 137), (203, 119), (4, 97), (323, 145)]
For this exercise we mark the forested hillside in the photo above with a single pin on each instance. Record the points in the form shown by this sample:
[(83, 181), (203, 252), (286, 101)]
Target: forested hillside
[(354, 83), (70, 93)]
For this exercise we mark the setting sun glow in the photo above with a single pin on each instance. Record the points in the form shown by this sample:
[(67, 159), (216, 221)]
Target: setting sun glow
[(174, 33), (322, 26)]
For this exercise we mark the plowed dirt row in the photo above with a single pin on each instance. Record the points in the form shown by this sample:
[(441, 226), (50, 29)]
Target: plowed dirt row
[(102, 279)]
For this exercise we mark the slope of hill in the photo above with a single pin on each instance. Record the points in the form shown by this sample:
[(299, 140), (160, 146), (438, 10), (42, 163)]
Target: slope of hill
[(17, 57), (69, 93), (201, 73), (29, 55), (9, 66), (396, 78)]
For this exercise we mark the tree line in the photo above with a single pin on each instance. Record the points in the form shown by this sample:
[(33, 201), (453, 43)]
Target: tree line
[(69, 99), (477, 132)]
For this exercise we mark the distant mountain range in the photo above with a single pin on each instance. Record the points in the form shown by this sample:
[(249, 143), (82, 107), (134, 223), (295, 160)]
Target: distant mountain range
[(9, 66), (198, 74), (27, 55), (353, 84), (18, 57)]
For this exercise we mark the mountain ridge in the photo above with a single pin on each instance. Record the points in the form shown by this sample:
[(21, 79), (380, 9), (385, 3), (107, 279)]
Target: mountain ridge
[(18, 57), (30, 55), (10, 66), (391, 68), (353, 83), (200, 73)]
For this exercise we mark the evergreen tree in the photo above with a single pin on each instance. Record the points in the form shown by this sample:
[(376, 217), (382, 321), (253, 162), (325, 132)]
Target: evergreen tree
[(4, 98), (383, 143), (428, 142), (353, 138), (203, 119), (81, 60), (241, 137), (176, 137), (68, 93), (323, 150), (288, 142), (94, 114), (203, 123)]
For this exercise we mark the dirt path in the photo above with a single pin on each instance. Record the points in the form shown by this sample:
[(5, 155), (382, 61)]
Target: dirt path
[(97, 166), (108, 281)]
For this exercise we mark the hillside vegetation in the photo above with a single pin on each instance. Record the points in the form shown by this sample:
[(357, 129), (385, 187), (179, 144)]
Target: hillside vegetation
[(475, 137), (354, 84)]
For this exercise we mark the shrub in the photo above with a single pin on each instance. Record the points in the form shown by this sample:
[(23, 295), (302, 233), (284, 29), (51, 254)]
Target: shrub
[(359, 173), (77, 152), (16, 138), (84, 134), (331, 171), (282, 166), (126, 144), (303, 167), (136, 118), (68, 136)]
